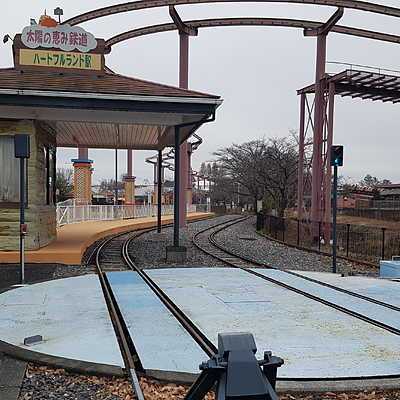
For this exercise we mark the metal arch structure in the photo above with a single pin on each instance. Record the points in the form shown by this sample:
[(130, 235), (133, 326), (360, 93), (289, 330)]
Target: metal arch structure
[(145, 4), (321, 145), (248, 21)]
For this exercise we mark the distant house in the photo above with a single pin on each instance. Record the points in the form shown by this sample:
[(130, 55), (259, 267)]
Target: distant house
[(357, 198), (390, 192)]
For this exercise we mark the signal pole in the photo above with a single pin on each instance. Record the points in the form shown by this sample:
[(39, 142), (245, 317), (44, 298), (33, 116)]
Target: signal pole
[(22, 151), (336, 161)]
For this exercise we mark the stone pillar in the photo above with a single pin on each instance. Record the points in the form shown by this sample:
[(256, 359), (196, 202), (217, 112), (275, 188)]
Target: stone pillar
[(129, 180), (40, 214), (129, 185), (82, 177)]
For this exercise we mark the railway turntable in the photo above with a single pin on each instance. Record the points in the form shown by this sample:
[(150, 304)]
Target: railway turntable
[(328, 329)]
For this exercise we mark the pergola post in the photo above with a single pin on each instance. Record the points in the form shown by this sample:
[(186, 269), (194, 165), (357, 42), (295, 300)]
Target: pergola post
[(319, 111), (300, 178), (317, 200), (159, 190), (184, 32), (82, 177), (328, 171)]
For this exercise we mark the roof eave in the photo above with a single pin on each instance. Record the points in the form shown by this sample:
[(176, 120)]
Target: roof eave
[(108, 96)]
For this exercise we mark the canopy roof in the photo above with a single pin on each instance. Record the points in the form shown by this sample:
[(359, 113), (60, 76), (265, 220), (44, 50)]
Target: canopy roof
[(103, 111), (364, 85)]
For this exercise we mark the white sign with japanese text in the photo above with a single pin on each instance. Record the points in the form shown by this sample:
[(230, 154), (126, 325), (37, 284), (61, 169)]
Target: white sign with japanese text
[(64, 37)]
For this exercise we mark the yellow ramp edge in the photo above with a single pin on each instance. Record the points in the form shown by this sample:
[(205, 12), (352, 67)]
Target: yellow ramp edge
[(73, 239)]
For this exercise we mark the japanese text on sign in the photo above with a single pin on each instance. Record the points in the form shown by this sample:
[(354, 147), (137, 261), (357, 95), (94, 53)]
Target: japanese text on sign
[(63, 37), (59, 59)]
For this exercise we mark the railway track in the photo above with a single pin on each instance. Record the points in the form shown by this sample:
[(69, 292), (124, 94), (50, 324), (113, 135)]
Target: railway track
[(127, 349), (205, 240), (113, 254)]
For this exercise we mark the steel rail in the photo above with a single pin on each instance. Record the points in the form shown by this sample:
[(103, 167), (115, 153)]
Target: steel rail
[(339, 289), (118, 322), (345, 310), (212, 350), (182, 318), (248, 21), (146, 4)]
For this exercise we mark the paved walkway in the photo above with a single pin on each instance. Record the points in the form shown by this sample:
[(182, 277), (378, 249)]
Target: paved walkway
[(72, 240)]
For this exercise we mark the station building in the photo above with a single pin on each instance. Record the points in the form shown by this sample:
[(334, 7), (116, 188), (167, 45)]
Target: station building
[(60, 92)]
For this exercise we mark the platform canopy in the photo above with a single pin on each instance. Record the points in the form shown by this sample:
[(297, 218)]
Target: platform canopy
[(364, 85), (107, 110)]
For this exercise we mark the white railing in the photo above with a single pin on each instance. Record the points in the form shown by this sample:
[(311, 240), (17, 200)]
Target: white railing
[(73, 214)]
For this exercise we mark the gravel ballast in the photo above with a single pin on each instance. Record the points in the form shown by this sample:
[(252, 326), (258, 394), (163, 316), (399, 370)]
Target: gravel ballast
[(277, 255), (148, 250), (42, 383)]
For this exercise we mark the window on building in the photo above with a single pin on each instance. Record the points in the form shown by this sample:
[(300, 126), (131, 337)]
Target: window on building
[(9, 171)]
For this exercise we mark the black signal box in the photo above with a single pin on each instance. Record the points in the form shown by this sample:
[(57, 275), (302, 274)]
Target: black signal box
[(22, 146), (337, 156)]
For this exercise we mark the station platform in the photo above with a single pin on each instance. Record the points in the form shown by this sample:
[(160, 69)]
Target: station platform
[(72, 240)]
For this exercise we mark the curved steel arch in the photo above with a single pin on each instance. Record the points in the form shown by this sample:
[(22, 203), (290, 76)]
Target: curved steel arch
[(143, 4), (217, 22)]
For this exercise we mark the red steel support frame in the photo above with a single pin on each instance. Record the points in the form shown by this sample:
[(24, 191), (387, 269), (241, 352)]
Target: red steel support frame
[(317, 162), (300, 179), (322, 142), (184, 32), (328, 169)]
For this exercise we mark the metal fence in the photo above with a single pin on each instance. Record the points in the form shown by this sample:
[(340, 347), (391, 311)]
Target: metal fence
[(386, 204), (73, 214), (359, 242)]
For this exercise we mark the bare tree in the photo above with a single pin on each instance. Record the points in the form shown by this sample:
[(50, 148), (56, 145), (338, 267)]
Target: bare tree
[(265, 169), (241, 164), (278, 172)]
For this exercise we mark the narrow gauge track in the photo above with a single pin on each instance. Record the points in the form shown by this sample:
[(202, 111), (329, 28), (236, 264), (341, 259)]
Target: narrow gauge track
[(112, 254), (205, 240), (127, 350)]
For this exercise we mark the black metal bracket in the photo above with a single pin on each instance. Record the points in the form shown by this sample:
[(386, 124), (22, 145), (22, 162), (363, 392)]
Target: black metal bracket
[(236, 371)]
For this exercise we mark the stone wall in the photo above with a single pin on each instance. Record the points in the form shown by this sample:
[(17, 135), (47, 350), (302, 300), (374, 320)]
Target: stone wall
[(41, 218)]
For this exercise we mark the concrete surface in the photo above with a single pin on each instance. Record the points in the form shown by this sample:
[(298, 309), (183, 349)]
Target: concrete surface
[(374, 311), (161, 342), (316, 341), (70, 314), (383, 290)]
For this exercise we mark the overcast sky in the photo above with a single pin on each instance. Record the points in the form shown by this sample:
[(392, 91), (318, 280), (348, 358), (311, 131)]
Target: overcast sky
[(256, 70)]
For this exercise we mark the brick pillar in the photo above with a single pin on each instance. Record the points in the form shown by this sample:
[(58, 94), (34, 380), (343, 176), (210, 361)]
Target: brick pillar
[(82, 181)]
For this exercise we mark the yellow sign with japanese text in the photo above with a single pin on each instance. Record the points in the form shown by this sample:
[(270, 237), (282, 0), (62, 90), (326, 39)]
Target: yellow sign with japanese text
[(60, 59)]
